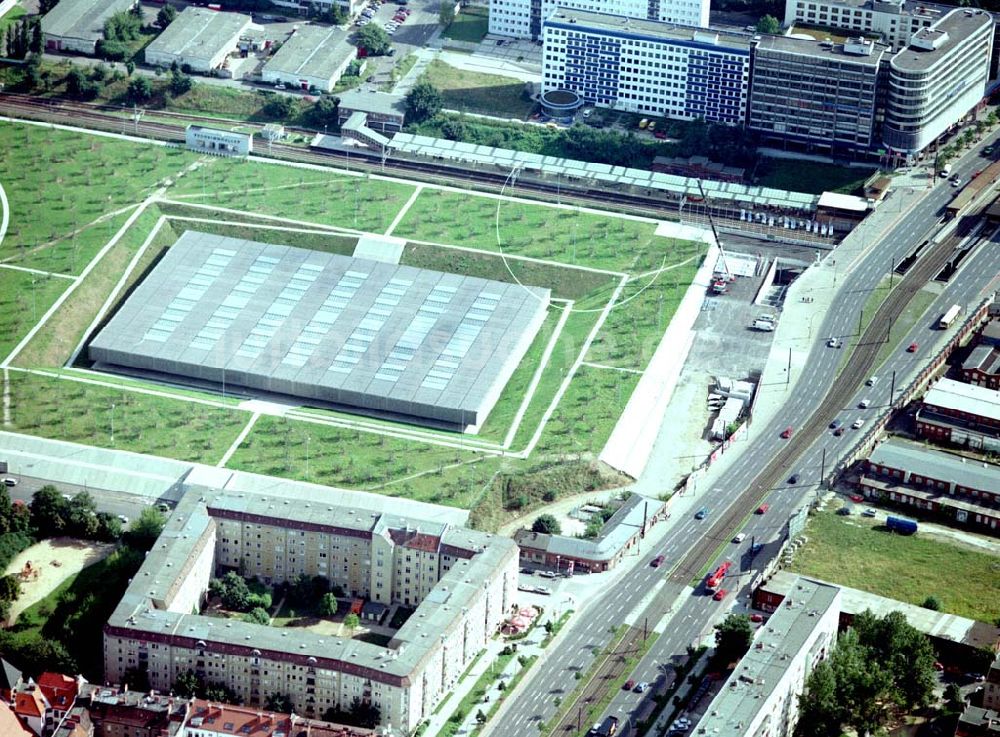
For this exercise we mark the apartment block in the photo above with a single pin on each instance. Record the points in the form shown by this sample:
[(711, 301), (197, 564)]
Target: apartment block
[(896, 21), (645, 66), (525, 18), (819, 93), (937, 80), (462, 583)]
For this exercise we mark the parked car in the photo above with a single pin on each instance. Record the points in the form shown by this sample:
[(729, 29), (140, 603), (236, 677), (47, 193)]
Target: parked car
[(844, 511), (701, 513), (720, 594), (869, 512), (756, 617), (856, 498), (10, 481), (123, 519)]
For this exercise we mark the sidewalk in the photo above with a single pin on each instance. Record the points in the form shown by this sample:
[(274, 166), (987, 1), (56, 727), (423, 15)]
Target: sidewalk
[(408, 80)]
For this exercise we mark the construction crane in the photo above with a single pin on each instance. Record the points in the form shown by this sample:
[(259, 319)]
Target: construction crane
[(718, 285)]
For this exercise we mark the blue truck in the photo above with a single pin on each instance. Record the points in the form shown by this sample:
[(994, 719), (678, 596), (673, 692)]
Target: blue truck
[(901, 525)]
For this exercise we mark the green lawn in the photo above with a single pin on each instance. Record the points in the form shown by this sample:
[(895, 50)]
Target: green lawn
[(82, 413), (62, 631), (326, 197), (563, 235), (472, 24), (73, 179), (24, 298), (811, 176), (475, 92), (905, 322), (852, 551)]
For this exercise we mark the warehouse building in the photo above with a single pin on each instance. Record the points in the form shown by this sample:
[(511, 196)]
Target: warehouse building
[(217, 141), (313, 57), (963, 414), (833, 102), (647, 67), (77, 25), (371, 336), (462, 582), (199, 39), (525, 18), (937, 80)]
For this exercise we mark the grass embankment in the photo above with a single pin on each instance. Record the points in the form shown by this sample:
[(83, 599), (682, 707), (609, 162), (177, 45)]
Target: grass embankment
[(471, 24), (24, 298), (57, 632), (812, 177), (856, 552), (475, 92)]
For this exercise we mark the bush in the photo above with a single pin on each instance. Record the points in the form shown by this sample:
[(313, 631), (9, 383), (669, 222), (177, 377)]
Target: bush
[(257, 615), (12, 543), (113, 50)]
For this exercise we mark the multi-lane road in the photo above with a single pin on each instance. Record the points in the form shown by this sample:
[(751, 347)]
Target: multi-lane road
[(695, 613)]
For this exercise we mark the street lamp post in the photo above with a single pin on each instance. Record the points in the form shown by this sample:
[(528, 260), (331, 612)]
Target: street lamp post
[(112, 423)]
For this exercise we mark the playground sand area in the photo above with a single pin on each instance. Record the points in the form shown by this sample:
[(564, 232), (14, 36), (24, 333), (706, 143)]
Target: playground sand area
[(45, 565)]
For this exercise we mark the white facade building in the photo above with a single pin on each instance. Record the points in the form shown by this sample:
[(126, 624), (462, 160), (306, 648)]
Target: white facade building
[(645, 66), (895, 20), (524, 18), (761, 695), (312, 57), (198, 38), (218, 141), (937, 80), (77, 25)]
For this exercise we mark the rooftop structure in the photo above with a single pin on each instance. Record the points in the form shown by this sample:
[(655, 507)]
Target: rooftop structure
[(600, 175), (524, 18), (312, 57), (966, 400), (198, 38), (761, 694), (618, 62), (77, 25), (461, 582), (895, 21), (928, 464), (367, 335), (982, 367)]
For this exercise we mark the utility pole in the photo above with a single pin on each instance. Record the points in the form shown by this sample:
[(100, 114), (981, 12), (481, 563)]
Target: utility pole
[(788, 371), (892, 270), (892, 388), (822, 467)]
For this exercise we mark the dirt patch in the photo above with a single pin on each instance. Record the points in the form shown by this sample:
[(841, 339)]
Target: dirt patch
[(51, 562)]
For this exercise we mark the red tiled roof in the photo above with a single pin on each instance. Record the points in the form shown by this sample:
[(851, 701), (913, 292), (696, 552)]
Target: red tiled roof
[(58, 689), (29, 703), (237, 720), (415, 540)]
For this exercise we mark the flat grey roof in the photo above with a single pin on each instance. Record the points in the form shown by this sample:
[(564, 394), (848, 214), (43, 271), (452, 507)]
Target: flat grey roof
[(958, 25), (762, 669), (937, 464), (312, 51), (355, 332), (985, 358), (977, 401), (199, 33), (82, 18), (820, 49), (579, 20), (379, 103)]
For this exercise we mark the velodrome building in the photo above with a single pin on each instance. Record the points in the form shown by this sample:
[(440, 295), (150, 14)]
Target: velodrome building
[(462, 582)]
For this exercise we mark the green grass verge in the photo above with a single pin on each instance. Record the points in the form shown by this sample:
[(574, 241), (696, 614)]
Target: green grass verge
[(62, 631), (556, 627), (904, 323), (474, 697), (72, 180), (855, 552), (82, 413), (24, 298), (495, 705), (811, 176), (471, 24), (475, 92)]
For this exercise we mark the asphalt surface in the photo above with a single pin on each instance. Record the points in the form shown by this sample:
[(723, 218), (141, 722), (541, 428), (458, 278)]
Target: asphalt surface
[(113, 502), (696, 612)]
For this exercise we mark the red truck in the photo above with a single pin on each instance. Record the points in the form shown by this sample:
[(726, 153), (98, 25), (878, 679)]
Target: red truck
[(715, 578)]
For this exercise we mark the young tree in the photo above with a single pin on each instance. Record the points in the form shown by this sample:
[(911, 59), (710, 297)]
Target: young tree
[(257, 615), (139, 91), (422, 102), (733, 637), (373, 39), (166, 16), (327, 605), (446, 13), (326, 112), (180, 82), (36, 38), (187, 685), (10, 588), (49, 511), (820, 712), (280, 107), (148, 527), (932, 603), (279, 702), (75, 81), (546, 523), (352, 620), (109, 527), (769, 24)]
